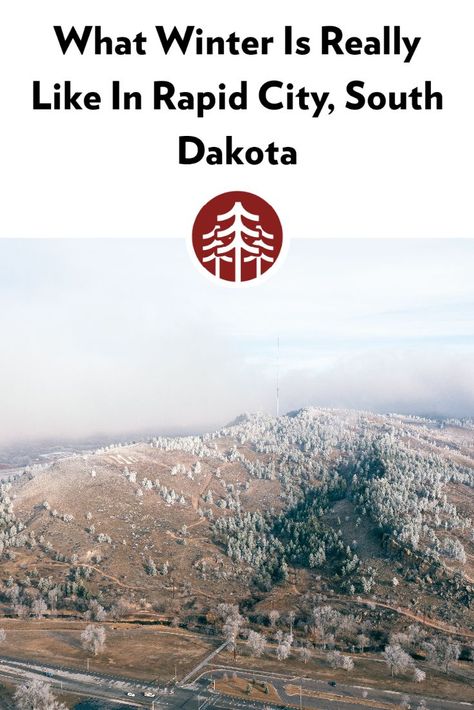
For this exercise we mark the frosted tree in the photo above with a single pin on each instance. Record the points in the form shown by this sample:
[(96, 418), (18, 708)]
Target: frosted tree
[(36, 695), (233, 622), (419, 676), (150, 567), (93, 639), (231, 630), (397, 659), (256, 643), (283, 650), (3, 636)]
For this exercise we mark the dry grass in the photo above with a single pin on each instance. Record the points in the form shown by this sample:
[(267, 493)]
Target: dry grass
[(242, 688), (131, 650), (340, 699)]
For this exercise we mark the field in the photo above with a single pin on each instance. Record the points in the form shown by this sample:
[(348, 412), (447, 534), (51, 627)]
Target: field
[(135, 651)]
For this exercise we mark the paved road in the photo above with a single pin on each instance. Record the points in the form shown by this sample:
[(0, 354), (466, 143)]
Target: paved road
[(91, 685), (343, 696), (199, 695)]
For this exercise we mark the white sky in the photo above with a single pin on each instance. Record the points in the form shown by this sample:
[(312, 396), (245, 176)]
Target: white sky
[(104, 336)]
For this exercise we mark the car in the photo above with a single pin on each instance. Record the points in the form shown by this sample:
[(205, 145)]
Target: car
[(130, 694), (332, 682), (148, 694)]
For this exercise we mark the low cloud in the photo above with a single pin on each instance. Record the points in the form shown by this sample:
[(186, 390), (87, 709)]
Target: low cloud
[(106, 337), (423, 382)]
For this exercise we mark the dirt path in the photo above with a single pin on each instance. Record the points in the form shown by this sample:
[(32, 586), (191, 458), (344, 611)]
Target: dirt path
[(439, 625), (196, 592), (102, 574), (199, 522), (114, 579), (206, 485)]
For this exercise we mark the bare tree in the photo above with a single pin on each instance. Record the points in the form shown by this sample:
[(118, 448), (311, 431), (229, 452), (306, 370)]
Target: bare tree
[(121, 608), (337, 660), (305, 654), (224, 611), (291, 620), (36, 695), (13, 593), (326, 621), (93, 639), (363, 642), (96, 611), (273, 617), (39, 608), (442, 652), (3, 636), (53, 595)]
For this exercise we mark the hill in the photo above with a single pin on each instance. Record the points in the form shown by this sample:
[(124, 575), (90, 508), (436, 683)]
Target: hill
[(368, 515)]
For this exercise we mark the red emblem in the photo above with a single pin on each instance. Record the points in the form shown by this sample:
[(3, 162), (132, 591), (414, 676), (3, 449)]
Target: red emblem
[(237, 236)]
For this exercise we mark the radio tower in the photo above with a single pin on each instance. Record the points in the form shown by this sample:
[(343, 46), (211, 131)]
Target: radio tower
[(278, 379)]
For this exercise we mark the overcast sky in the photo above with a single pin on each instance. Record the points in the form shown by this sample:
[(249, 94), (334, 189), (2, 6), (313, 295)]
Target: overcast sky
[(105, 336)]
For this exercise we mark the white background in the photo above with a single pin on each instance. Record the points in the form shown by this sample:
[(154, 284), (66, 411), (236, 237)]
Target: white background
[(360, 174)]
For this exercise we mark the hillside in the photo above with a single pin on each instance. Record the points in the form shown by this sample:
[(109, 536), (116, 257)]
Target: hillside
[(371, 514)]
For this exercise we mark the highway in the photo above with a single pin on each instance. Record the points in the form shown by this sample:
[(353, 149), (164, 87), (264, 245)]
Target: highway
[(318, 694), (111, 691)]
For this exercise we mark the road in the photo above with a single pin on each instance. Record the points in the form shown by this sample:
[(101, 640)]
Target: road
[(200, 695), (318, 694)]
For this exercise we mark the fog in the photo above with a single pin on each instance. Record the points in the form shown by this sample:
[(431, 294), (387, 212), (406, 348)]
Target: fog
[(115, 336)]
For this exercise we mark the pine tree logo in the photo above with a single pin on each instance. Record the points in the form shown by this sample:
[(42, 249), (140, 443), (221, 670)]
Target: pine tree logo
[(237, 237)]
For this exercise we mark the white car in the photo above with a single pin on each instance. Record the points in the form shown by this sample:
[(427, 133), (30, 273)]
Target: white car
[(130, 694), (148, 694)]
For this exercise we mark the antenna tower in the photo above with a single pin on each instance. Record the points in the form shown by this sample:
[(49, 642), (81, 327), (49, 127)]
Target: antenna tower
[(278, 379)]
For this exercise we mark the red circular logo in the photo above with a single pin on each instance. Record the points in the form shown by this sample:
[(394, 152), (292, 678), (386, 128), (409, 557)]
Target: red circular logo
[(237, 236)]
